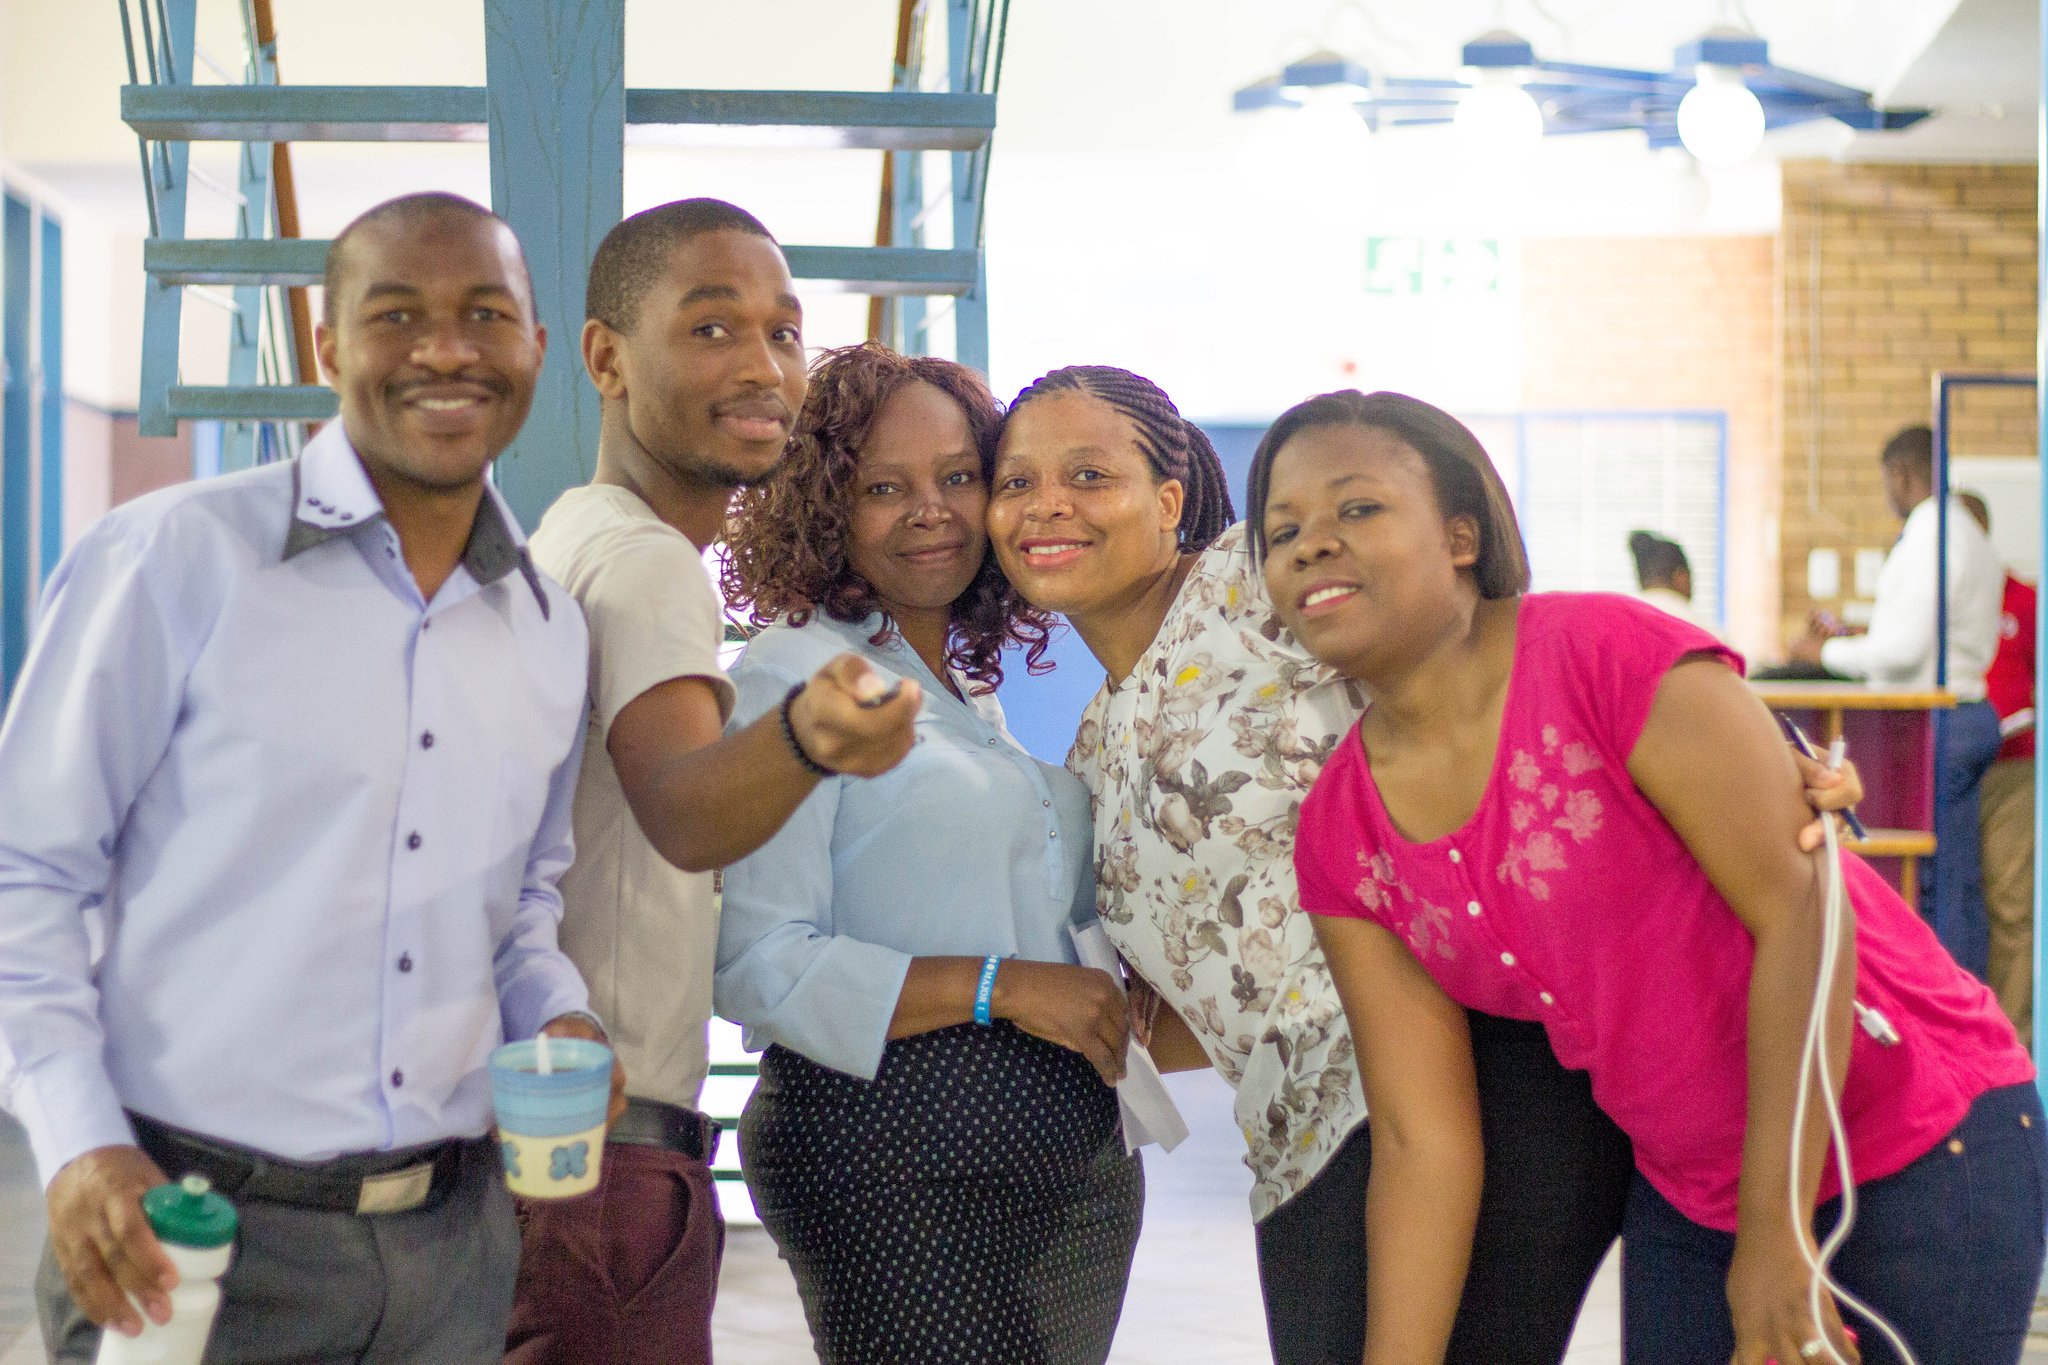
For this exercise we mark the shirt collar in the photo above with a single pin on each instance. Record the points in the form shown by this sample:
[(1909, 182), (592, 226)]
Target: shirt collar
[(332, 495)]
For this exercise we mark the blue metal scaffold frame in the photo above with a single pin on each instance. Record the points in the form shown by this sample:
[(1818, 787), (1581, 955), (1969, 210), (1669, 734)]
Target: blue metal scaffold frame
[(557, 116)]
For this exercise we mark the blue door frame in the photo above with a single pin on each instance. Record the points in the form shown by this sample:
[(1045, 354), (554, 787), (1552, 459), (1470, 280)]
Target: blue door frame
[(50, 398), (17, 427), (2041, 622)]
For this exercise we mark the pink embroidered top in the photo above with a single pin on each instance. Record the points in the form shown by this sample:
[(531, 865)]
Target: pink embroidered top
[(1568, 899)]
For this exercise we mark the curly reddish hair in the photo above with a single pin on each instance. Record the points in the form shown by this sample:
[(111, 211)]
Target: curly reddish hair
[(786, 537)]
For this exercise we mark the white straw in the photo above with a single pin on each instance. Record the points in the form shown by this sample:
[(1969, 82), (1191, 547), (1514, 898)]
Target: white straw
[(542, 1061)]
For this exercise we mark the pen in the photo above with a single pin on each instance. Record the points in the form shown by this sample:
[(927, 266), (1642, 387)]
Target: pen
[(884, 698), (1836, 750)]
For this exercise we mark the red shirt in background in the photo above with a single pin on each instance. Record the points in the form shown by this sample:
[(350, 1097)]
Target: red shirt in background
[(2009, 682)]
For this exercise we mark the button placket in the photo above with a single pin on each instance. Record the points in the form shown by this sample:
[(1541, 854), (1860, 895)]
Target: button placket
[(413, 860), (1482, 929)]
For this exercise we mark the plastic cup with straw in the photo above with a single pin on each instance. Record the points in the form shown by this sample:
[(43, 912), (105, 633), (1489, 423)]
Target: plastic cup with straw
[(551, 1095)]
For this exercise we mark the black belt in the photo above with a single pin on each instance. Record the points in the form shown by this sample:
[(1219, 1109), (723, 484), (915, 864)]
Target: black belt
[(650, 1123), (374, 1182)]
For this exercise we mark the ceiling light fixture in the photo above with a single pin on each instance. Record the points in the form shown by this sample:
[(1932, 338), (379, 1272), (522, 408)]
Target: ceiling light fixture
[(1718, 99), (1720, 120), (1497, 116)]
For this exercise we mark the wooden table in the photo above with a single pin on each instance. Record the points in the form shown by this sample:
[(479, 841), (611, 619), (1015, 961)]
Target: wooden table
[(1890, 734)]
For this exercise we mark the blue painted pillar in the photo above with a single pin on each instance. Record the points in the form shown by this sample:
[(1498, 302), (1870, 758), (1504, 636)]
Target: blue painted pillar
[(163, 304), (242, 442), (970, 310), (17, 427), (556, 70), (907, 229), (50, 426), (2040, 617)]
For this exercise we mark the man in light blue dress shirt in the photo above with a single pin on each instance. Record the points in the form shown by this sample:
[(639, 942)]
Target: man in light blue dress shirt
[(284, 793)]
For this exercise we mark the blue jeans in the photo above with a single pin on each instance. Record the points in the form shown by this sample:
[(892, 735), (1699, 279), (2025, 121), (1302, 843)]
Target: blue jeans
[(1949, 1250), (1965, 743)]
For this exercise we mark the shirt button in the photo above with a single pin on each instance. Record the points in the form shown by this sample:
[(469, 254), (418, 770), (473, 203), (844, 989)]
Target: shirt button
[(1546, 997), (397, 1078), (1455, 856), (1046, 804), (412, 840), (427, 740), (1053, 835), (405, 962), (1507, 959), (991, 741), (1472, 907)]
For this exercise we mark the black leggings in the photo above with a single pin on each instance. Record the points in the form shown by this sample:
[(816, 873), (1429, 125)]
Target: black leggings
[(1557, 1181)]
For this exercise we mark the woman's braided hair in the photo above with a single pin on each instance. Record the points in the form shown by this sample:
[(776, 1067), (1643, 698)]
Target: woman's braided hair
[(1175, 447)]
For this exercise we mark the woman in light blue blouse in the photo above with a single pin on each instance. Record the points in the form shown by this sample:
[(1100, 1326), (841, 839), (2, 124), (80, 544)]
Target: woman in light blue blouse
[(934, 1143)]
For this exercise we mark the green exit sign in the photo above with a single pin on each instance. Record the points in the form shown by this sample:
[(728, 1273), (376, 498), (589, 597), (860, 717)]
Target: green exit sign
[(1425, 266)]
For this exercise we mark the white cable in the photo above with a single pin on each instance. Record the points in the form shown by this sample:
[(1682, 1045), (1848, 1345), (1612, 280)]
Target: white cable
[(1814, 1054)]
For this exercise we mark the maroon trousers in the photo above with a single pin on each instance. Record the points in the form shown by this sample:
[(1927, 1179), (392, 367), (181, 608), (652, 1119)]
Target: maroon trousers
[(624, 1275)]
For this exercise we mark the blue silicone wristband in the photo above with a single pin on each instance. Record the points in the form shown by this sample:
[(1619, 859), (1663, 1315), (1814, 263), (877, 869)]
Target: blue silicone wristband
[(985, 993)]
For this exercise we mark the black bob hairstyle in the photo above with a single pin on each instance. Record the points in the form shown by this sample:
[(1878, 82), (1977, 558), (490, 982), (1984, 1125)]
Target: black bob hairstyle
[(1466, 483), (1658, 560)]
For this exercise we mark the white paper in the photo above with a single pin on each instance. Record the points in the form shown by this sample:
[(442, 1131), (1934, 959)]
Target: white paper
[(1150, 1114)]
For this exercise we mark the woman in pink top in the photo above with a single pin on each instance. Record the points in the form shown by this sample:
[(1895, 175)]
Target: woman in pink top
[(1570, 808)]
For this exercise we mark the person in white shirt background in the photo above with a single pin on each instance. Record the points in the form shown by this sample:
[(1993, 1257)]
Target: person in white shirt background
[(1898, 649), (1664, 577)]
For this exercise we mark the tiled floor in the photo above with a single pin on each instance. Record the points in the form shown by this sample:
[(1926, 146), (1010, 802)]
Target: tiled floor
[(1194, 1295)]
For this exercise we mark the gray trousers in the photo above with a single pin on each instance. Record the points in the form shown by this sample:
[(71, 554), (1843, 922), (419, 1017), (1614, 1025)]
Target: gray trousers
[(309, 1287)]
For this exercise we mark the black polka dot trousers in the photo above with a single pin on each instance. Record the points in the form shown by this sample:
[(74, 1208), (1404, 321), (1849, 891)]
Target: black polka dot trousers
[(973, 1203)]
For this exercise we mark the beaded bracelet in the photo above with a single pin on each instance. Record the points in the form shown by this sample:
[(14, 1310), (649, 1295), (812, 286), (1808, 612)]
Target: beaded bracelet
[(811, 765), (985, 993)]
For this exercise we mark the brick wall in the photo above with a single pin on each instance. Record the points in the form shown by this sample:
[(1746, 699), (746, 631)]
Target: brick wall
[(1663, 323), (1888, 275)]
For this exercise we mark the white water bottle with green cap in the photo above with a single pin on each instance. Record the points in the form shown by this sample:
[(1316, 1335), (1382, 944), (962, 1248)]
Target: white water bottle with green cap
[(197, 1230)]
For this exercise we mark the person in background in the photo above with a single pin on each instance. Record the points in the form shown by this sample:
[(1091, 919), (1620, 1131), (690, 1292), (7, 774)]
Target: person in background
[(694, 342), (284, 794), (1898, 650), (2007, 818), (1533, 818), (934, 1143), (1664, 576)]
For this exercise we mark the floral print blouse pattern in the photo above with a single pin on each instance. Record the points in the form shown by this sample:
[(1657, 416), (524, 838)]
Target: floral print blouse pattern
[(1546, 812), (1198, 765)]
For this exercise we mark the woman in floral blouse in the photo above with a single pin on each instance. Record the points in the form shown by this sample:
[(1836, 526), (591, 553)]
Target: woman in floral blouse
[(1211, 726)]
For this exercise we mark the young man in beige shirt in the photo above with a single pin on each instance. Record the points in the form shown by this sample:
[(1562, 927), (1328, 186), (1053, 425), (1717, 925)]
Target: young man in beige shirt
[(694, 340)]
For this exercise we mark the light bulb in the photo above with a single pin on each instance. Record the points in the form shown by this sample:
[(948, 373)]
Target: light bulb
[(1318, 152), (1497, 116), (1328, 130), (1720, 120)]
